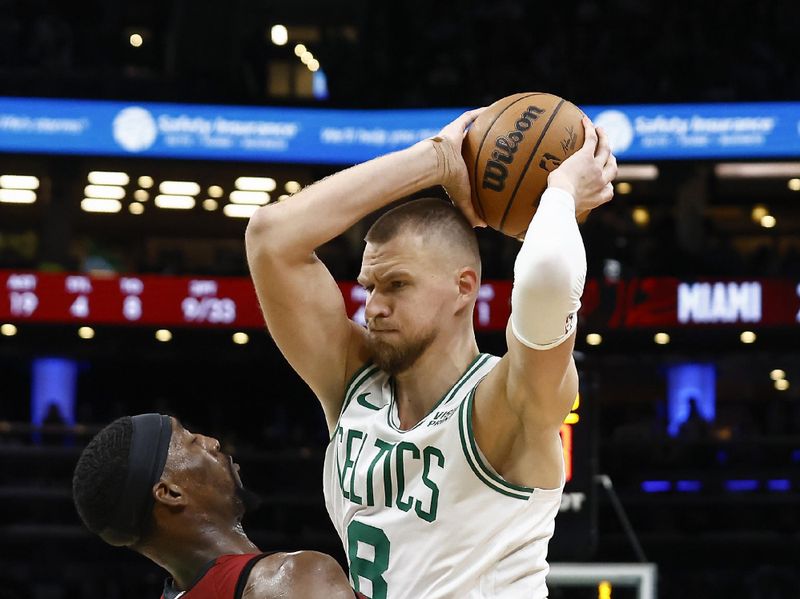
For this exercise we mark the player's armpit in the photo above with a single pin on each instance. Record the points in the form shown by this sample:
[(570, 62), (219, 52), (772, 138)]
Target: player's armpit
[(305, 314), (307, 574)]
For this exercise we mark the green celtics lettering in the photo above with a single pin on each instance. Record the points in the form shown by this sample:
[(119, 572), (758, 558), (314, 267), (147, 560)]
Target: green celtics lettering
[(380, 459)]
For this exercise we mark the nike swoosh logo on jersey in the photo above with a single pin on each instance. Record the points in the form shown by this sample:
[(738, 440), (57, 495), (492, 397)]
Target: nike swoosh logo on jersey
[(362, 401)]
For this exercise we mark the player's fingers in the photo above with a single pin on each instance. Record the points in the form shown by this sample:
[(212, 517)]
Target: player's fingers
[(463, 200), (474, 219), (610, 169), (468, 208), (471, 115), (466, 119), (608, 193), (457, 129), (603, 150), (590, 141)]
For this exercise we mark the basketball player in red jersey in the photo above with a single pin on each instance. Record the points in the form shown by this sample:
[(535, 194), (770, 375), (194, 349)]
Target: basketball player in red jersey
[(147, 483)]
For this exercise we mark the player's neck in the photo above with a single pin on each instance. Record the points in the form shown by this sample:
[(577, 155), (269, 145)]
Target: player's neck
[(420, 387), (184, 554)]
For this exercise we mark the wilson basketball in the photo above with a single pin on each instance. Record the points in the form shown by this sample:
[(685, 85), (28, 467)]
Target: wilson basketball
[(510, 150)]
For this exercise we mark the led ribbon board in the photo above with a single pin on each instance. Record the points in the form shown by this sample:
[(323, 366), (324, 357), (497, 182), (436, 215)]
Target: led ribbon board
[(230, 302), (326, 136)]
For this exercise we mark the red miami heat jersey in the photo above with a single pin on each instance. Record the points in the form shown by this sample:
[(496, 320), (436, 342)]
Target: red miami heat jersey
[(223, 578)]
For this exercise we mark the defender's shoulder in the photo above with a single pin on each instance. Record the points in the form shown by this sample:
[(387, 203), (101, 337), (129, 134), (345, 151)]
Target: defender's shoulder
[(300, 574)]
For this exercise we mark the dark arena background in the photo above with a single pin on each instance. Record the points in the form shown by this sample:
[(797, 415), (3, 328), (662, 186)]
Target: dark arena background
[(137, 137)]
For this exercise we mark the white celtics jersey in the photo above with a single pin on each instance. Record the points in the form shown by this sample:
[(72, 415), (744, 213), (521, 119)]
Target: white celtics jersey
[(421, 513)]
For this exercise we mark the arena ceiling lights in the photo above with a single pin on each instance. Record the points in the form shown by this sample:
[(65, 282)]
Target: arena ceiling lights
[(107, 206), (757, 170), (105, 191), (240, 210), (108, 178), (18, 189), (637, 172), (108, 192)]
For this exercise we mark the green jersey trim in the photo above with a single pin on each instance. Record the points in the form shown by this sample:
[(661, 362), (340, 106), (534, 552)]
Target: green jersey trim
[(359, 377), (473, 367), (476, 461), (458, 385), (367, 370)]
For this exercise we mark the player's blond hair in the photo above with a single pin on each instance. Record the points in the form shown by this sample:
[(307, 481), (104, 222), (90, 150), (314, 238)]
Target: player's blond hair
[(430, 219)]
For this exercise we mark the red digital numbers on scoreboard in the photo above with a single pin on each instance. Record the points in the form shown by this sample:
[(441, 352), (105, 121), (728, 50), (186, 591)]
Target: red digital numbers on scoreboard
[(131, 288), (203, 305), (78, 288), (22, 298), (129, 300)]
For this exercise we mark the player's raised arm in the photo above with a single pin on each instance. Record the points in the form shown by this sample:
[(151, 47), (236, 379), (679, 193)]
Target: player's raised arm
[(302, 305), (549, 275), (525, 398)]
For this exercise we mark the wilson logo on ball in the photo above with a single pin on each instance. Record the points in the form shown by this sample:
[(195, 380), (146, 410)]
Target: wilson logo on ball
[(495, 172), (510, 150)]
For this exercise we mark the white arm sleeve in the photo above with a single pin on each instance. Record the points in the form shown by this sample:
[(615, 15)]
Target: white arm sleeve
[(549, 274)]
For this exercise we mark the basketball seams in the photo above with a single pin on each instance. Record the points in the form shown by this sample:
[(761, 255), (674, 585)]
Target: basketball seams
[(528, 163), (480, 149)]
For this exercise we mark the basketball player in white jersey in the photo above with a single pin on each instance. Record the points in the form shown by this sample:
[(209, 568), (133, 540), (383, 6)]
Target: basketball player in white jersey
[(444, 471)]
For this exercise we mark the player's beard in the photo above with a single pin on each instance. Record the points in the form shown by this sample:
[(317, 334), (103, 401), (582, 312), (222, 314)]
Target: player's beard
[(397, 358), (247, 500)]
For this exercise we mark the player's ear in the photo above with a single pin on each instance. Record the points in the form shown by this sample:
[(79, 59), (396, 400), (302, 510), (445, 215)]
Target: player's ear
[(169, 494), (468, 282)]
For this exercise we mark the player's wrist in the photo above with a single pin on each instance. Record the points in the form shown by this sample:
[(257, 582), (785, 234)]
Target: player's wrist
[(437, 143), (562, 184), (427, 166), (560, 197)]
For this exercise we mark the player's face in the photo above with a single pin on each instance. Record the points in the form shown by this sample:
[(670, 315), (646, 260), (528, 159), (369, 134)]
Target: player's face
[(408, 296), (209, 476)]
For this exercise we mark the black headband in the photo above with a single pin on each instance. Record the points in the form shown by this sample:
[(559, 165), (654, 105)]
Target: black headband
[(148, 454)]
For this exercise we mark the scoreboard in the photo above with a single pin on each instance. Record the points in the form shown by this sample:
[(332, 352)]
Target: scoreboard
[(230, 302), (133, 300)]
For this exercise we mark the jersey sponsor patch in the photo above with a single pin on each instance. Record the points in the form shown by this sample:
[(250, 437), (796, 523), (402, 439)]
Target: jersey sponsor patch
[(441, 416)]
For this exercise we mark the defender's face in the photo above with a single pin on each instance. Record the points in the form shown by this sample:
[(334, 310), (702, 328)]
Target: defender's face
[(210, 477), (408, 293)]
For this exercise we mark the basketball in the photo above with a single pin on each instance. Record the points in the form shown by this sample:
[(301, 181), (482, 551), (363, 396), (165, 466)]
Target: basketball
[(510, 150)]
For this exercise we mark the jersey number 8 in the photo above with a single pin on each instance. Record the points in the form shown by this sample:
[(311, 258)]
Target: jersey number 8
[(363, 568)]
